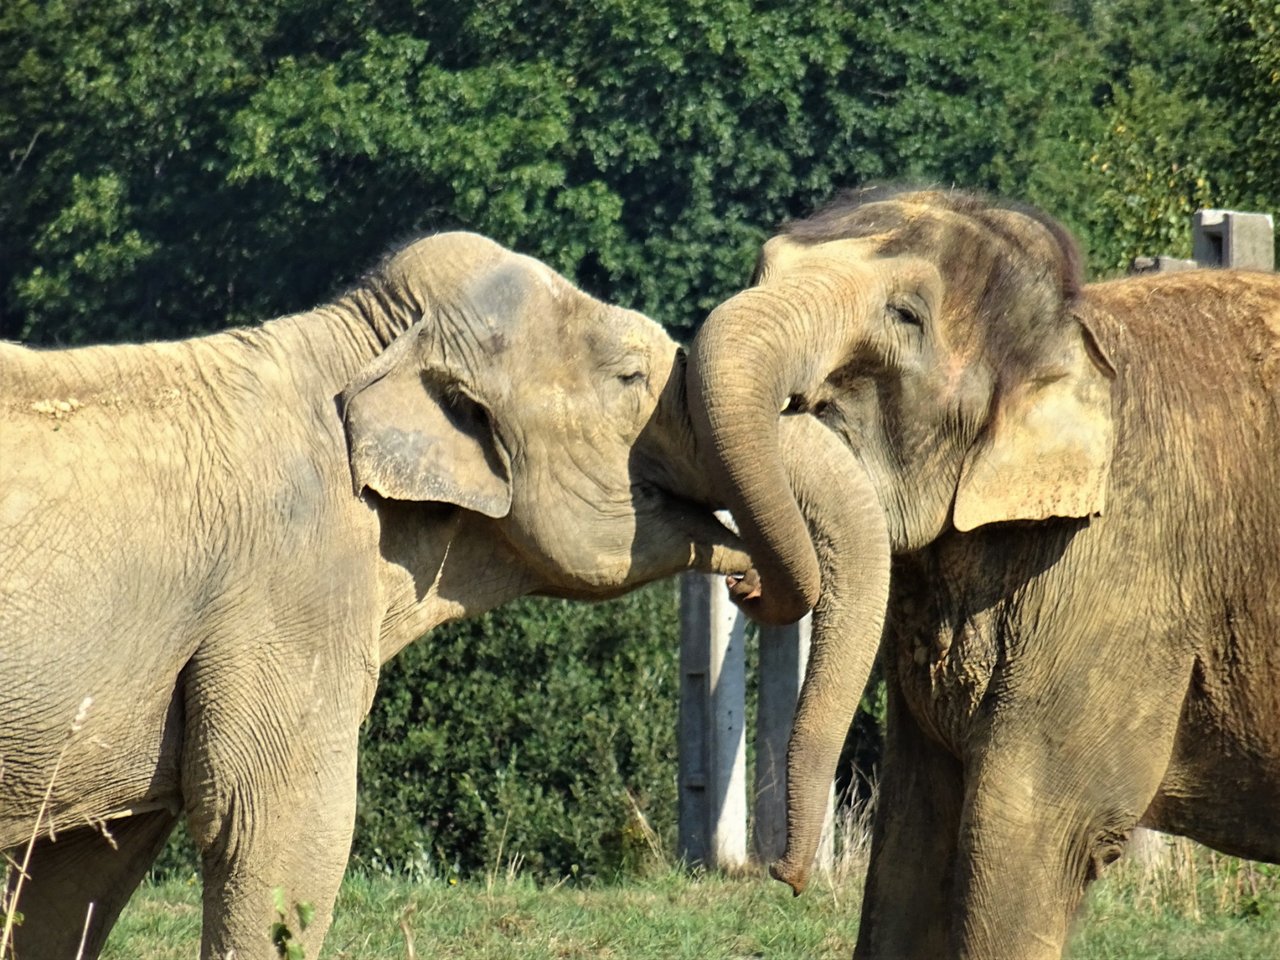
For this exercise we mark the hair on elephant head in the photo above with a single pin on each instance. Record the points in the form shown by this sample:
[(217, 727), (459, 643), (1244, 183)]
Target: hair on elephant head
[(256, 520), (1027, 449)]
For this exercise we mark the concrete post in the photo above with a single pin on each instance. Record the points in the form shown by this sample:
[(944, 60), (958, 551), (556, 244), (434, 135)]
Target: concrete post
[(1229, 238), (784, 654), (1221, 238), (713, 778), (1160, 264)]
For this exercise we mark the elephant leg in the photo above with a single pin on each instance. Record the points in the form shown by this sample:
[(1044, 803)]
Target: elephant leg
[(906, 901), (1047, 807), (78, 884), (1021, 871), (286, 829), (295, 842)]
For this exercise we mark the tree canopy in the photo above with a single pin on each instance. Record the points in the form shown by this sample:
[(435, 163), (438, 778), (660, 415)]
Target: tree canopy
[(176, 167)]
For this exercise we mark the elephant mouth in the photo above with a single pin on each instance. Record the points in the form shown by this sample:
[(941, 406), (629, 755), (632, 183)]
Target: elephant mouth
[(713, 544), (670, 534)]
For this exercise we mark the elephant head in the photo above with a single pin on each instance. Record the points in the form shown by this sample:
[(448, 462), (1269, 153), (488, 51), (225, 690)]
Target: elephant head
[(520, 398), (933, 334)]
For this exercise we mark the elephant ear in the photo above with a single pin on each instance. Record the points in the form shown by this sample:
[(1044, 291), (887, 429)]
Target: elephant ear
[(419, 431), (1047, 451)]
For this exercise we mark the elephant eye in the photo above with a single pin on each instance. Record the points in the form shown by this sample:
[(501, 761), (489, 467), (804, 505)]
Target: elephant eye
[(633, 378), (903, 314)]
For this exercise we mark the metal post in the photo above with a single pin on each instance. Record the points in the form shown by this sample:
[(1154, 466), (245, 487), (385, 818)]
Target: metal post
[(713, 795), (784, 654)]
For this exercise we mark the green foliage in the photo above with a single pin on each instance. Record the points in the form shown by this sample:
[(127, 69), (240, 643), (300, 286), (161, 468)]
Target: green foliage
[(1247, 81), (113, 197), (541, 737), (283, 937), (543, 732), (1262, 902), (174, 167), (1185, 94), (1148, 171)]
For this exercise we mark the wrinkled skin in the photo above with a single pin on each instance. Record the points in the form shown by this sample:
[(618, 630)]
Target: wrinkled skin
[(1081, 488), (216, 543)]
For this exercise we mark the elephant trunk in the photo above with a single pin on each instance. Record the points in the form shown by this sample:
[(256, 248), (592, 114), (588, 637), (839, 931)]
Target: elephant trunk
[(851, 538), (751, 357)]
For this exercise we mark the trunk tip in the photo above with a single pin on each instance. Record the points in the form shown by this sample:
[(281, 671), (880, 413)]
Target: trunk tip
[(765, 607), (771, 614), (794, 878)]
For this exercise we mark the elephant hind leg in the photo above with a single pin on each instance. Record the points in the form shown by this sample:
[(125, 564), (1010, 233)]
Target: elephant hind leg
[(78, 884)]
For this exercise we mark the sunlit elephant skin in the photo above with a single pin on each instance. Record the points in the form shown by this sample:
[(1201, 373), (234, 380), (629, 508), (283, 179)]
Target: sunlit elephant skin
[(1081, 488), (208, 548)]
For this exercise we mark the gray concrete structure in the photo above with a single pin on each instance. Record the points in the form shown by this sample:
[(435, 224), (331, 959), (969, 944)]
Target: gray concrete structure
[(1230, 238), (1160, 264), (713, 802)]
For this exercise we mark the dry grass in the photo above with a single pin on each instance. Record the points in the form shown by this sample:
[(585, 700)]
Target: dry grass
[(1181, 901), (1180, 878), (11, 895)]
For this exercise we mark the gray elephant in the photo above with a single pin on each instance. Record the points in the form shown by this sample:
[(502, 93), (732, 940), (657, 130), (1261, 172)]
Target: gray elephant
[(1055, 508), (209, 547)]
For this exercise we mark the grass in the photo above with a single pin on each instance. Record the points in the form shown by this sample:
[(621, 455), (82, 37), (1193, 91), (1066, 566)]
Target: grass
[(1191, 904), (1168, 900), (673, 916), (1182, 902)]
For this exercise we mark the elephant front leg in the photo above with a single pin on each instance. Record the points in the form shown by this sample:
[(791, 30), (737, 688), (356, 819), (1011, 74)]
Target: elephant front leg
[(269, 777), (1040, 824), (1054, 785), (906, 906), (288, 841), (1023, 866)]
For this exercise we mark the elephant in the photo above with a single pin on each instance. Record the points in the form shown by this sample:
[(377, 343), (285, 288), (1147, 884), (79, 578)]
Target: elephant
[(209, 547), (1070, 561)]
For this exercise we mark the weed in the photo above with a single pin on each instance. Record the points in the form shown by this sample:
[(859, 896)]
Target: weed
[(282, 935), (18, 871)]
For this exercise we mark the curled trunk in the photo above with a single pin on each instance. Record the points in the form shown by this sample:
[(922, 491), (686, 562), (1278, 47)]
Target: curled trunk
[(851, 541), (806, 509), (751, 357)]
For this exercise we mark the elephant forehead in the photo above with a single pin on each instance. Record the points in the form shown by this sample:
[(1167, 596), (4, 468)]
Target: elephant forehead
[(922, 220), (784, 254), (616, 335), (441, 257), (550, 281), (945, 234)]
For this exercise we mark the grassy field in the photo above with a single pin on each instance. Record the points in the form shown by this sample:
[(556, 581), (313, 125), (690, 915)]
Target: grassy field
[(1192, 905)]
